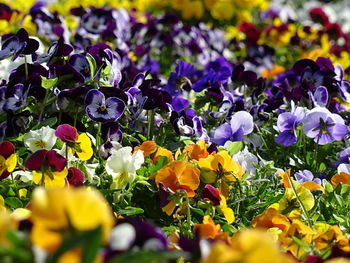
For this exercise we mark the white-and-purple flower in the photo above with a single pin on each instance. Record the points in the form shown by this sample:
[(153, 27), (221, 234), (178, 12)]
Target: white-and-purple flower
[(98, 108)]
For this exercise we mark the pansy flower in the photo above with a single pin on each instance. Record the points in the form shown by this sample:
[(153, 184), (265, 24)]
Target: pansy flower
[(241, 124), (49, 168), (18, 44), (8, 159), (323, 126), (122, 166), (179, 175), (44, 138), (79, 144), (220, 168), (98, 108), (213, 195), (56, 212)]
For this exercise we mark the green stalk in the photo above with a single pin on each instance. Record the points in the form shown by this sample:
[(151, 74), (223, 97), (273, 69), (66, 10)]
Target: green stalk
[(150, 118), (300, 202), (189, 227), (43, 106), (26, 67)]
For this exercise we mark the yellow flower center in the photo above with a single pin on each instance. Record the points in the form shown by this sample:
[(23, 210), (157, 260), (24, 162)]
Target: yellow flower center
[(39, 144)]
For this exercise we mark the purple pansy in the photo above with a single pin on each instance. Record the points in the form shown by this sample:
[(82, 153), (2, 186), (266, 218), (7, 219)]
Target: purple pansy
[(323, 126), (98, 108), (287, 123), (18, 44), (306, 176), (241, 124), (17, 97)]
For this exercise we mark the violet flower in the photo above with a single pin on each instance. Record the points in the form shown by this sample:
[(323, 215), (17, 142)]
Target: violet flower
[(306, 176), (241, 124), (98, 108), (18, 44), (323, 126), (287, 123)]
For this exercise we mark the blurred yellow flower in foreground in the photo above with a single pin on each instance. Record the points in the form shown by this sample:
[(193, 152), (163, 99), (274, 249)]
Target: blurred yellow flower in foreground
[(249, 246), (58, 211)]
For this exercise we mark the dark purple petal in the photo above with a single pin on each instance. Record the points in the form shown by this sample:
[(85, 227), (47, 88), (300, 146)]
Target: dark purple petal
[(56, 160), (6, 149), (286, 138), (179, 103), (36, 161), (286, 121), (75, 177), (211, 194)]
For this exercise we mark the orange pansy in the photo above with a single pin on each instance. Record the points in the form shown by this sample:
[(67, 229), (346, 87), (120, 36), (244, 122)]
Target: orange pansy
[(341, 178), (179, 175), (271, 218), (148, 147)]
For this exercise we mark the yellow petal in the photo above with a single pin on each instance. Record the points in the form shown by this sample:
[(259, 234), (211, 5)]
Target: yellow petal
[(85, 146), (11, 162), (228, 213)]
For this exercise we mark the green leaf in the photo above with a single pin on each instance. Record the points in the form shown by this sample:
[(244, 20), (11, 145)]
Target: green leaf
[(148, 257), (48, 122), (328, 186), (13, 202), (161, 161), (130, 211), (92, 63), (48, 83), (92, 246), (83, 240), (301, 244), (234, 147)]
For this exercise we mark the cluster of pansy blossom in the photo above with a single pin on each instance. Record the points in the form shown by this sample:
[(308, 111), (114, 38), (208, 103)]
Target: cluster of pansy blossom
[(128, 134)]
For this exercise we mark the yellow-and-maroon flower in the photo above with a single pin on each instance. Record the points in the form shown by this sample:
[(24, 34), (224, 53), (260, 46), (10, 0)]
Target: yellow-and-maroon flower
[(79, 144), (49, 168), (8, 159)]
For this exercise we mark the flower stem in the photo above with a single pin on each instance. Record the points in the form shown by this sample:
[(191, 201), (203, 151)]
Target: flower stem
[(98, 135), (189, 227), (300, 202), (26, 67), (150, 118), (43, 106)]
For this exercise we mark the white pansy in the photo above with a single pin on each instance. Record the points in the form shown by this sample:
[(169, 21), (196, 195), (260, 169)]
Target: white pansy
[(122, 166), (44, 138), (247, 160), (24, 176), (122, 236)]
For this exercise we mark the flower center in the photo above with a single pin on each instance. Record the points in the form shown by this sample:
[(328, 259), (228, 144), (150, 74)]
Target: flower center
[(39, 144), (102, 108)]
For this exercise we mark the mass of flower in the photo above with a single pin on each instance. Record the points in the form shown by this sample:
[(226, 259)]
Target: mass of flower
[(174, 131)]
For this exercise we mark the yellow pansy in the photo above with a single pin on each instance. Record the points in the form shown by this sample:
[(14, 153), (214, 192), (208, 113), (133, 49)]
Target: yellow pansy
[(55, 211)]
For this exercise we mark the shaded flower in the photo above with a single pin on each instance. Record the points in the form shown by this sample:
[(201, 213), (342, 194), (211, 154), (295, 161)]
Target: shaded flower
[(17, 44), (220, 168), (75, 177), (98, 108)]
